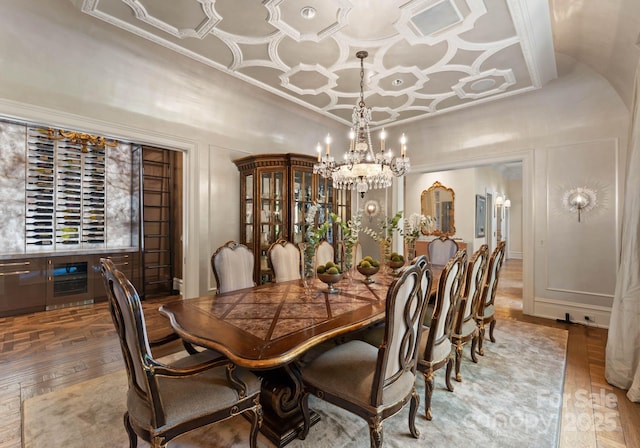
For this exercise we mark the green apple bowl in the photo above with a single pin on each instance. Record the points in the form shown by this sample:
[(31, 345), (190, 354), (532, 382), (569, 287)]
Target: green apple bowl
[(330, 279), (368, 272)]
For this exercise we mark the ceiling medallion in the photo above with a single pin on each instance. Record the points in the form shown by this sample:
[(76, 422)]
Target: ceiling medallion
[(362, 169)]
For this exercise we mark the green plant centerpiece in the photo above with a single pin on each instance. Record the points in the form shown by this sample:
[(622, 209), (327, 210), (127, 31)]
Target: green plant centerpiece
[(329, 273), (368, 267), (384, 235), (412, 229), (312, 237), (350, 230)]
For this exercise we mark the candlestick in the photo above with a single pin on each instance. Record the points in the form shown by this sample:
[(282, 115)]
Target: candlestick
[(403, 145), (328, 142), (319, 150), (383, 135)]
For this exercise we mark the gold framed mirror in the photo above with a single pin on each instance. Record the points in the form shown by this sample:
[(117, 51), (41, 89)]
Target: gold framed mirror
[(438, 203)]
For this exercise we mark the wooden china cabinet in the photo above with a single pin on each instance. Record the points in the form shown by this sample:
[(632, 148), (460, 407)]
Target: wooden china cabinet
[(276, 191)]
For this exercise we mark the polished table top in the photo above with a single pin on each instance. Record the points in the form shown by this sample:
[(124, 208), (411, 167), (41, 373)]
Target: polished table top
[(271, 325)]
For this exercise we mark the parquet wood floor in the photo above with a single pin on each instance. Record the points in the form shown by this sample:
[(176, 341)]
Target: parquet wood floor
[(45, 351)]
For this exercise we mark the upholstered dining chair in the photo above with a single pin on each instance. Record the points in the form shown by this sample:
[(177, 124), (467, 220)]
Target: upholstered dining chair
[(435, 347), (285, 260), (324, 253), (374, 382), (232, 265), (441, 250), (465, 328), (165, 401), (486, 309)]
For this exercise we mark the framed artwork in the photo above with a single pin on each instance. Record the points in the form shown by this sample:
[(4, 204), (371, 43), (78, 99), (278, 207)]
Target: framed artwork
[(481, 215)]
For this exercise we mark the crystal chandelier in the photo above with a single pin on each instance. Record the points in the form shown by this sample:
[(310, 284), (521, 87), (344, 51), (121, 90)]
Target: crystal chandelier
[(362, 168)]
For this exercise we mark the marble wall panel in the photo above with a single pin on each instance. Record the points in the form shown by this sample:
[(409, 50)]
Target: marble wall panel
[(119, 192), (12, 187)]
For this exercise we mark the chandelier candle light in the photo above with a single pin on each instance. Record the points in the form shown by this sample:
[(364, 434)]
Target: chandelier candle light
[(362, 169)]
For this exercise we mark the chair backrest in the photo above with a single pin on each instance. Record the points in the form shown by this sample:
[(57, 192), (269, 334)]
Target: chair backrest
[(493, 275), (285, 260), (441, 250), (445, 307), (324, 253), (397, 355), (423, 263), (473, 287), (232, 265), (128, 318)]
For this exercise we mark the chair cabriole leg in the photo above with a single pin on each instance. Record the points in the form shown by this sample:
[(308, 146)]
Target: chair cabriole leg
[(458, 360), (133, 437), (413, 410), (448, 374)]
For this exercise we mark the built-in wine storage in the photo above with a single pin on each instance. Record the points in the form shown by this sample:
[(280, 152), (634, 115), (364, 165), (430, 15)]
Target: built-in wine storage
[(65, 194)]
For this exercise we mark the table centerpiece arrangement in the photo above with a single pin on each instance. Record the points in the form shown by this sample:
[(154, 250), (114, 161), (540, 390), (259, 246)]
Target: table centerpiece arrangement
[(384, 236), (412, 229), (396, 261), (368, 267), (329, 273)]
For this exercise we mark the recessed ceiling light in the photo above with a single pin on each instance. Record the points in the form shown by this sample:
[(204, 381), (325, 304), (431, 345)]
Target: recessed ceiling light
[(308, 12), (397, 82)]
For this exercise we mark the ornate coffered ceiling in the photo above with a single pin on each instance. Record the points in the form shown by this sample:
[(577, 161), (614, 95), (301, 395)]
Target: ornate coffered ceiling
[(426, 57)]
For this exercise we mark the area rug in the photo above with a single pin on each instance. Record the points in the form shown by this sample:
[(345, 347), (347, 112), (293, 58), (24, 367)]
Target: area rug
[(511, 398)]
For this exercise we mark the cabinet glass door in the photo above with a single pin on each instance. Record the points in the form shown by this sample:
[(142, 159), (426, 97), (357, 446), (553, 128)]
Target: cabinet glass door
[(324, 198), (302, 199), (271, 219), (248, 217)]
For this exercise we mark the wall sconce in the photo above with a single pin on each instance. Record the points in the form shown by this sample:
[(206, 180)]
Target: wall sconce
[(371, 208), (579, 199), (507, 203)]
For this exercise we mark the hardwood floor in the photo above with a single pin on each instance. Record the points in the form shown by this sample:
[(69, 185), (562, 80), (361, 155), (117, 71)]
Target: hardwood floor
[(50, 350)]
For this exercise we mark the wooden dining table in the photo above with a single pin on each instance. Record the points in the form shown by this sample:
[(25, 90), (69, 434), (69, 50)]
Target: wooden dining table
[(268, 328)]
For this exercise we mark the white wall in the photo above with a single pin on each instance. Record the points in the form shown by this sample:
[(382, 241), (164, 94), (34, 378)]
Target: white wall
[(514, 219)]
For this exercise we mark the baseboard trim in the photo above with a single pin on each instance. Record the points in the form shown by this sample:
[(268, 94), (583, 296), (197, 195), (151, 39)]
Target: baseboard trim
[(555, 309), (515, 255)]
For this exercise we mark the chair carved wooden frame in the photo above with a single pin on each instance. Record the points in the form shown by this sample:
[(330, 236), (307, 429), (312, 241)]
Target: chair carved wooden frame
[(165, 401), (385, 393), (465, 327), (436, 346), (486, 307), (240, 266)]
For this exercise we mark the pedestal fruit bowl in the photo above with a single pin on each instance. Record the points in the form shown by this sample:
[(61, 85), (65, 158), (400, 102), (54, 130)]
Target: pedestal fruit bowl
[(368, 267), (395, 263), (329, 273)]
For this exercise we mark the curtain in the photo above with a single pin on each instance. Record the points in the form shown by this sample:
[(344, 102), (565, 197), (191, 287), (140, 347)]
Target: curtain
[(622, 367)]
